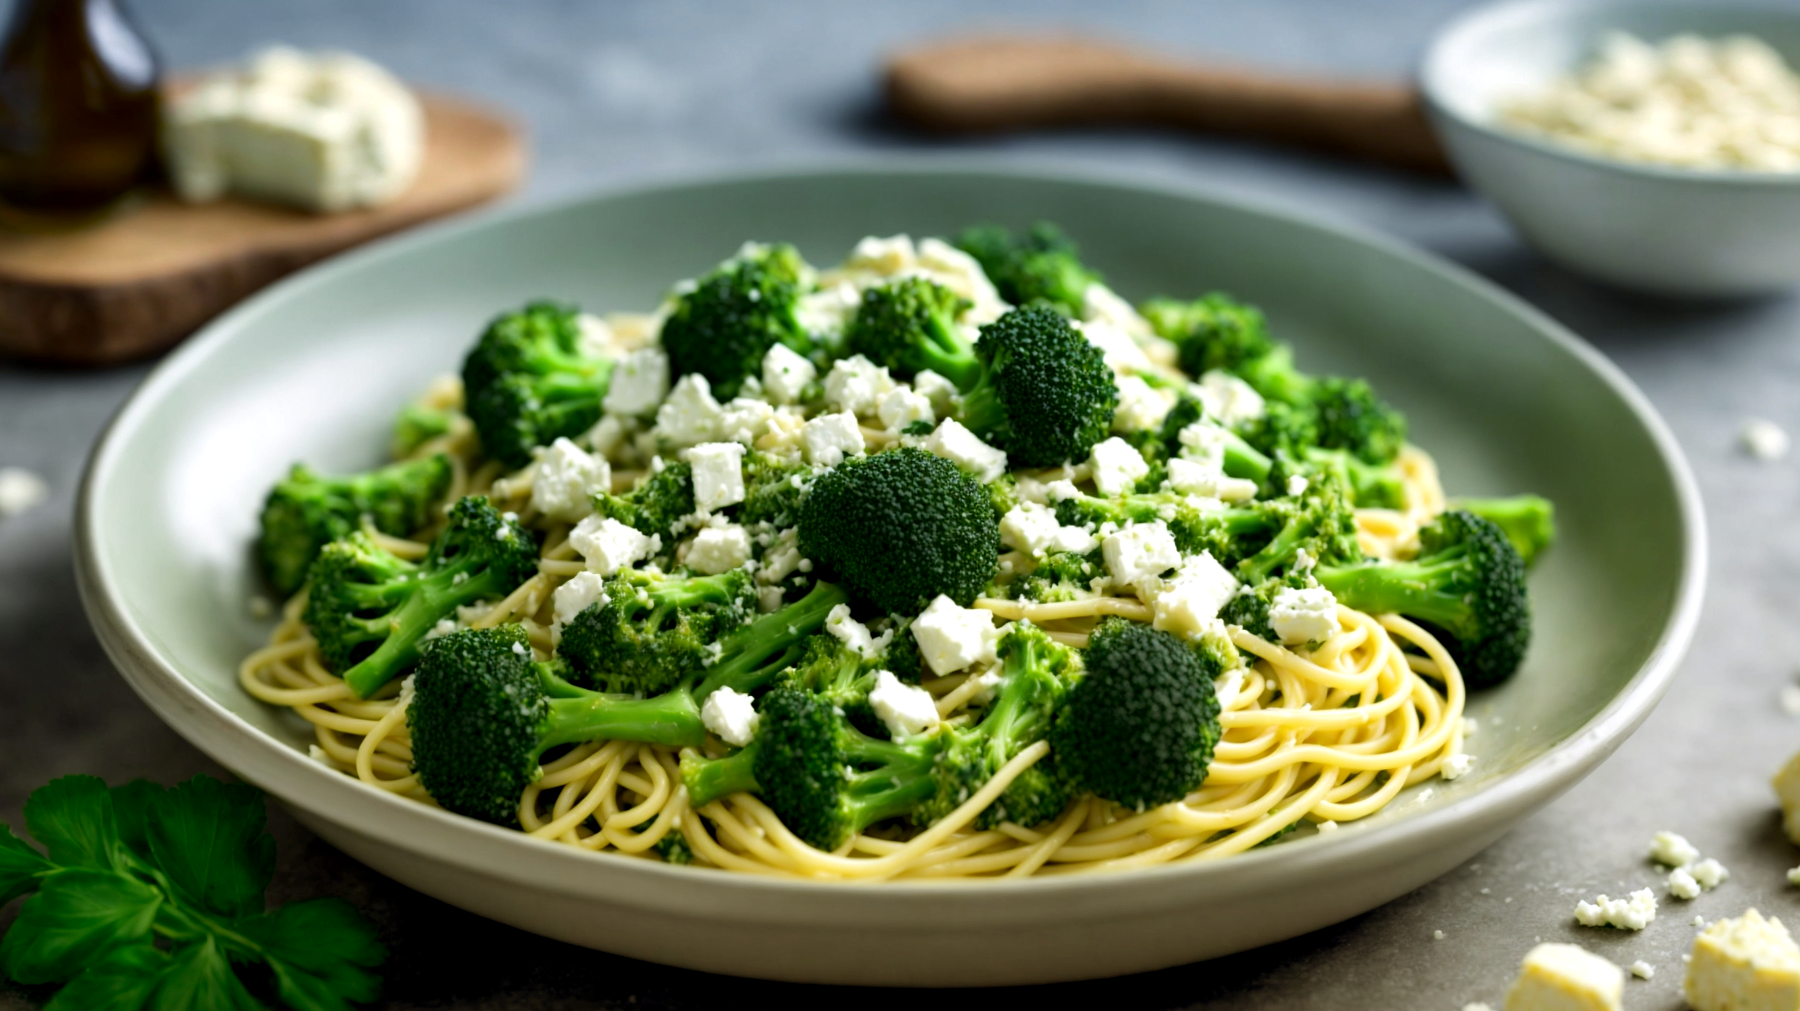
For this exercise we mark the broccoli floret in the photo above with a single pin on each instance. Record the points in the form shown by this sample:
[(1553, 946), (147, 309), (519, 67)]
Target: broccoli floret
[(1035, 675), (306, 511), (370, 609), (1046, 395), (417, 425), (1139, 727), (660, 502), (1229, 534), (1529, 521), (1352, 418), (674, 849), (654, 629), (1380, 486), (734, 315), (774, 489), (482, 712), (1320, 520), (1468, 581), (1283, 429), (1040, 265), (1212, 332), (1241, 459), (901, 527), (910, 326), (529, 380), (1061, 576)]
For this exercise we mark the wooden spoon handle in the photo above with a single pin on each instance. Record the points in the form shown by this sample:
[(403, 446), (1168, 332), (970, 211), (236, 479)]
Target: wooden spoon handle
[(994, 84)]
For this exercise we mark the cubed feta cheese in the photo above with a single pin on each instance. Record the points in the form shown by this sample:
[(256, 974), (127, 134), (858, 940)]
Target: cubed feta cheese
[(1743, 964), (906, 710), (901, 407), (829, 438), (1672, 850), (718, 475), (1189, 601), (958, 271), (785, 373), (951, 638), (1117, 466), (1033, 529), (1787, 791), (1121, 352), (1633, 913), (1565, 977), (608, 436), (857, 385), (1139, 554), (1204, 442), (690, 415), (1191, 477), (745, 419), (940, 391), (1141, 406), (1101, 304), (828, 310), (609, 545), (640, 381), (1304, 615), (855, 634), (719, 549), (566, 480), (583, 590), (1229, 400), (960, 446), (1297, 484), (731, 715)]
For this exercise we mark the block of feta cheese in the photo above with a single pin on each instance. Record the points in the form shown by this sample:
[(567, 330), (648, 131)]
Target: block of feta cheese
[(731, 715), (1303, 615), (566, 480), (1117, 466), (1121, 352), (1787, 791), (1138, 555), (1209, 480), (1189, 601), (640, 381), (829, 438), (1566, 977), (855, 634), (1141, 406), (958, 271), (785, 373), (902, 406), (857, 385), (960, 446), (609, 545), (583, 590), (718, 469), (325, 131), (1102, 304), (1744, 964), (745, 419), (689, 415), (1031, 527), (719, 549), (951, 638), (906, 710), (940, 391)]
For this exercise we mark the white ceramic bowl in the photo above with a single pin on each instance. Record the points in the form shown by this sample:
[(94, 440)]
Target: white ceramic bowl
[(1662, 230), (314, 369)]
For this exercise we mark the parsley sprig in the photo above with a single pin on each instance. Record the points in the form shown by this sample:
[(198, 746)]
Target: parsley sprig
[(146, 897)]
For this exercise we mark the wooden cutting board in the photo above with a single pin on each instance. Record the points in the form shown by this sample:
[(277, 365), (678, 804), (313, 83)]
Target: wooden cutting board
[(141, 281)]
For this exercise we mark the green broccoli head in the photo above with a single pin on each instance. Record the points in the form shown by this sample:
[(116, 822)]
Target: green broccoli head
[(1283, 429), (654, 630), (1214, 331), (417, 425), (660, 502), (529, 381), (1040, 265), (774, 489), (306, 511), (901, 527), (1380, 486), (734, 315), (1046, 395), (1352, 418), (1061, 576), (1529, 521), (1139, 728), (910, 326)]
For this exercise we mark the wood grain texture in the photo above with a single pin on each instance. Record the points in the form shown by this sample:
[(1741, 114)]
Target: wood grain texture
[(139, 282), (994, 84)]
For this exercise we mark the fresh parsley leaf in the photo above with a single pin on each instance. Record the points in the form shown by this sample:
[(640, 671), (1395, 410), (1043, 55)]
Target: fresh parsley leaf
[(20, 866), (131, 811), (321, 952), (199, 978), (208, 837), (73, 818), (75, 918), (122, 981)]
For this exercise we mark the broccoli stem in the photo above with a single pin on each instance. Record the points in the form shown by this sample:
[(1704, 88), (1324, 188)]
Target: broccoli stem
[(1409, 588), (899, 781), (983, 412), (1242, 460), (671, 718), (432, 597), (709, 780), (1528, 521), (1279, 551), (752, 654)]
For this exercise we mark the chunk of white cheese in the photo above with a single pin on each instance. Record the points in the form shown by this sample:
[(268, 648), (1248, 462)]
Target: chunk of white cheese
[(1566, 977), (718, 475), (1682, 884), (1141, 406), (1122, 354), (906, 710), (1101, 304), (951, 638), (1743, 964), (566, 480), (1033, 529), (731, 715), (1303, 615), (1206, 479), (1138, 555), (20, 489), (958, 271), (639, 382), (960, 446), (689, 415), (854, 634), (1190, 600), (1117, 466), (1633, 913), (1709, 873), (583, 590), (829, 438), (828, 310), (719, 549), (1229, 400), (1672, 850), (609, 545), (1764, 439), (324, 131), (785, 373), (857, 385), (940, 391), (1457, 766), (745, 419), (1787, 791), (1643, 970), (901, 407)]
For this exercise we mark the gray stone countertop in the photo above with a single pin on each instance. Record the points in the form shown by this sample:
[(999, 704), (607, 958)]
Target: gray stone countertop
[(625, 91)]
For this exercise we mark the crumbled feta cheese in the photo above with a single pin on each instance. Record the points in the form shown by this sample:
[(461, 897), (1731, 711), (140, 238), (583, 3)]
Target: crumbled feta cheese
[(1204, 442), (1700, 922), (1642, 969), (20, 489), (718, 475), (1682, 884), (1763, 439), (444, 627), (690, 415), (940, 391), (785, 373), (1189, 601), (1103, 305), (1139, 554), (1633, 913), (1191, 477), (608, 435), (1672, 850), (885, 257), (781, 558), (1457, 766), (1121, 352), (1228, 400), (828, 310), (906, 710), (1437, 935), (1141, 406), (1476, 1005), (1327, 826), (987, 685), (857, 385), (1565, 977), (1117, 466), (1743, 964), (855, 634), (1296, 484), (719, 549), (1304, 615), (744, 419), (609, 545), (640, 381), (1033, 529), (958, 271), (951, 638), (1709, 873), (901, 407), (960, 446), (769, 599), (831, 437), (566, 479), (1787, 791), (731, 715), (583, 590)]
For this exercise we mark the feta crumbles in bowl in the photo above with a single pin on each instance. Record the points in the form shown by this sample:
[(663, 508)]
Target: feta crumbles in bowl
[(1651, 146)]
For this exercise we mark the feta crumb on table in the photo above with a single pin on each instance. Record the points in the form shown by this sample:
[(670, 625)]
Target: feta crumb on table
[(565, 479), (1566, 977), (718, 475), (1763, 439), (731, 715), (719, 549), (906, 710), (1744, 964), (951, 638), (20, 489), (1787, 791), (1682, 884), (1672, 850), (1437, 935), (608, 545), (1633, 913), (1138, 555), (956, 443), (829, 438), (1117, 466), (690, 415), (1709, 873), (785, 373), (1303, 615), (639, 383)]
